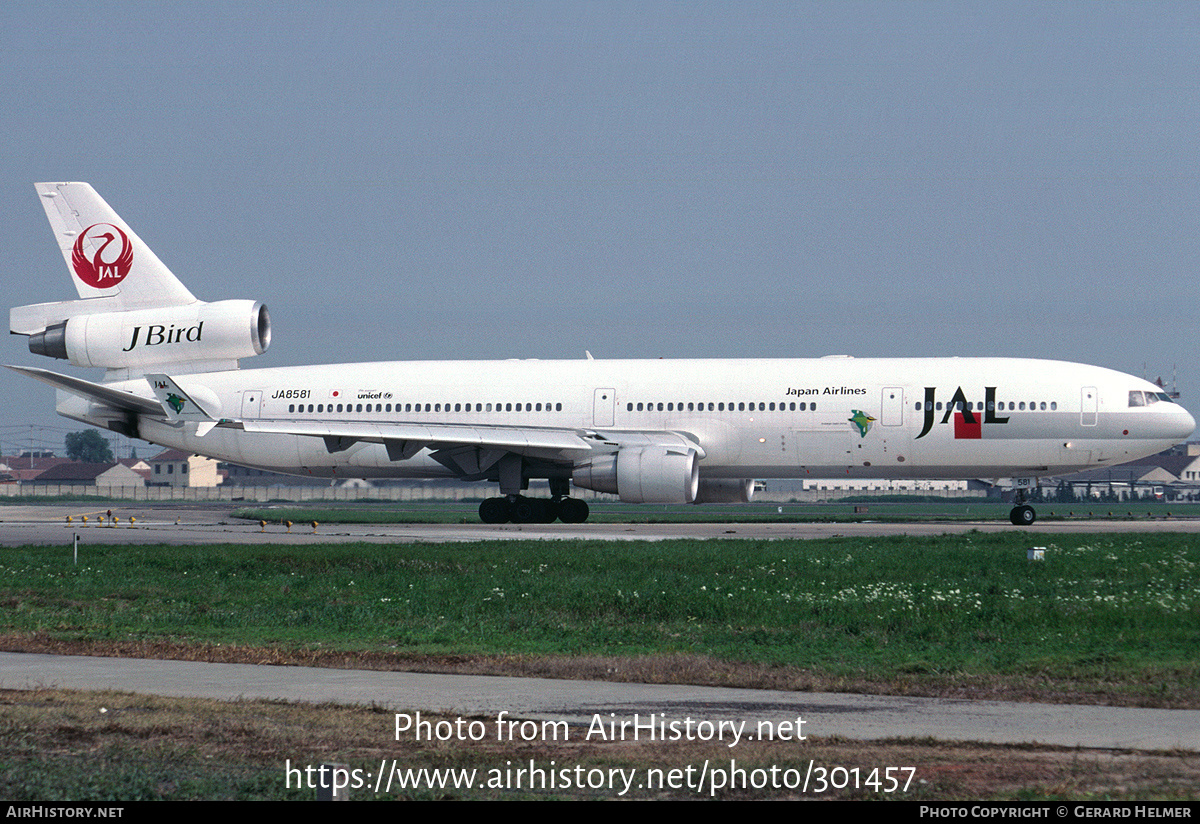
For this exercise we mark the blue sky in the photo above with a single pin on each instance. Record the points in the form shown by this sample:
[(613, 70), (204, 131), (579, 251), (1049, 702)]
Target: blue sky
[(482, 180)]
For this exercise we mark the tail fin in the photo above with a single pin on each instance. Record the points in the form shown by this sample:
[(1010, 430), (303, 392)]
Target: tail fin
[(133, 313), (112, 269), (105, 257)]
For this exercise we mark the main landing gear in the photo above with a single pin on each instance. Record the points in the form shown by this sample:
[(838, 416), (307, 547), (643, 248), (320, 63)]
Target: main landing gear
[(1022, 514), (512, 473), (521, 510)]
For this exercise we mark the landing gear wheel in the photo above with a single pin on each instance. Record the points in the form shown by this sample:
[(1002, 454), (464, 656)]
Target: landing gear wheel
[(494, 511), (572, 511), (1022, 515), (524, 510), (549, 511)]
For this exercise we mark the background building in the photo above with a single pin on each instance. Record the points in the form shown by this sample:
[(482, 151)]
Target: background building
[(173, 467)]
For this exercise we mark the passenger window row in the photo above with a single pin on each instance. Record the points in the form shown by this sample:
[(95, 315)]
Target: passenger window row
[(1000, 406), (720, 407), (325, 408)]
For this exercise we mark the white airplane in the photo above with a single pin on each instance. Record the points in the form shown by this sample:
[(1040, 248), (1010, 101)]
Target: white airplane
[(650, 431)]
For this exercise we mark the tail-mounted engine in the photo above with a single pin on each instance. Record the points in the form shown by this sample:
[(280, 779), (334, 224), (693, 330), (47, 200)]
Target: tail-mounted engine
[(209, 332)]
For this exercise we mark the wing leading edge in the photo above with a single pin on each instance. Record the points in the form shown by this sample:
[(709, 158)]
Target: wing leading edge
[(469, 450)]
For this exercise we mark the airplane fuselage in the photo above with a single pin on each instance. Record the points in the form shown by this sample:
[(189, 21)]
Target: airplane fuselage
[(649, 431), (826, 417)]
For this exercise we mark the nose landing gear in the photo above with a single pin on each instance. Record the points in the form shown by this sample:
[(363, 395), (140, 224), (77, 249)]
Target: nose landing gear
[(1022, 515)]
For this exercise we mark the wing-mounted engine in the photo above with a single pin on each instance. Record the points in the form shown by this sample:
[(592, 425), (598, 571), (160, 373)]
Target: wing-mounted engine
[(643, 474), (725, 491), (213, 333)]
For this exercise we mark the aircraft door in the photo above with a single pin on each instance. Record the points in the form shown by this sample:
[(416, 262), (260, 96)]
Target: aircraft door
[(604, 407), (891, 407), (1088, 406), (252, 403)]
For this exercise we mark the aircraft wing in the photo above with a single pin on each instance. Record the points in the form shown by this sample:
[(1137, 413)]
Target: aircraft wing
[(339, 435), (467, 449)]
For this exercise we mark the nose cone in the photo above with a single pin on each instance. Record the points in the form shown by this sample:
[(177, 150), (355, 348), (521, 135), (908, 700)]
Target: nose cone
[(1185, 424), (1172, 423)]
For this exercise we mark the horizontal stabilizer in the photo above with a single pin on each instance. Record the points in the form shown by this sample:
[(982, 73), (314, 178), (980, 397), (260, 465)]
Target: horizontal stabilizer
[(116, 398)]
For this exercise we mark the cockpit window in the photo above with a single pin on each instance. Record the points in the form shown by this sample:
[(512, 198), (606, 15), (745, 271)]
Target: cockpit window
[(1137, 398)]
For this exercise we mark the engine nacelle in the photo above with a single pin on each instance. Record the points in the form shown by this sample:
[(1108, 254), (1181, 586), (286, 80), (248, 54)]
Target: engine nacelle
[(222, 331), (643, 475), (725, 491)]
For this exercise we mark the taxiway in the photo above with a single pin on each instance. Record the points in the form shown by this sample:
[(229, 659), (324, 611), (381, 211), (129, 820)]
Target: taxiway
[(579, 703), (35, 525)]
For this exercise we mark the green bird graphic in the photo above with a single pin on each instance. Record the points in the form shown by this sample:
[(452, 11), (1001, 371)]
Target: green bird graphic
[(176, 402), (862, 420)]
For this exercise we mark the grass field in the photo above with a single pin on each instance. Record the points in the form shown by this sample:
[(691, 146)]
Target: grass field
[(1106, 619), (1103, 618)]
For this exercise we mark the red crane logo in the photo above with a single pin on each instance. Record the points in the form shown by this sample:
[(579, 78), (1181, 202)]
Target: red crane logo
[(99, 272)]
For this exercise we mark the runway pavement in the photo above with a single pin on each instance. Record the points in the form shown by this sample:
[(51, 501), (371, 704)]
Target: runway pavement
[(21, 525), (581, 703)]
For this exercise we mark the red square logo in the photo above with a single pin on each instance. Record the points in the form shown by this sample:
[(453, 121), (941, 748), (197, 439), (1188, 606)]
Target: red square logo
[(962, 429)]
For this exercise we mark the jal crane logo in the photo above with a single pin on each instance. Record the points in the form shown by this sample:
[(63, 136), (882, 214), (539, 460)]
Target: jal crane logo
[(862, 421), (107, 266)]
